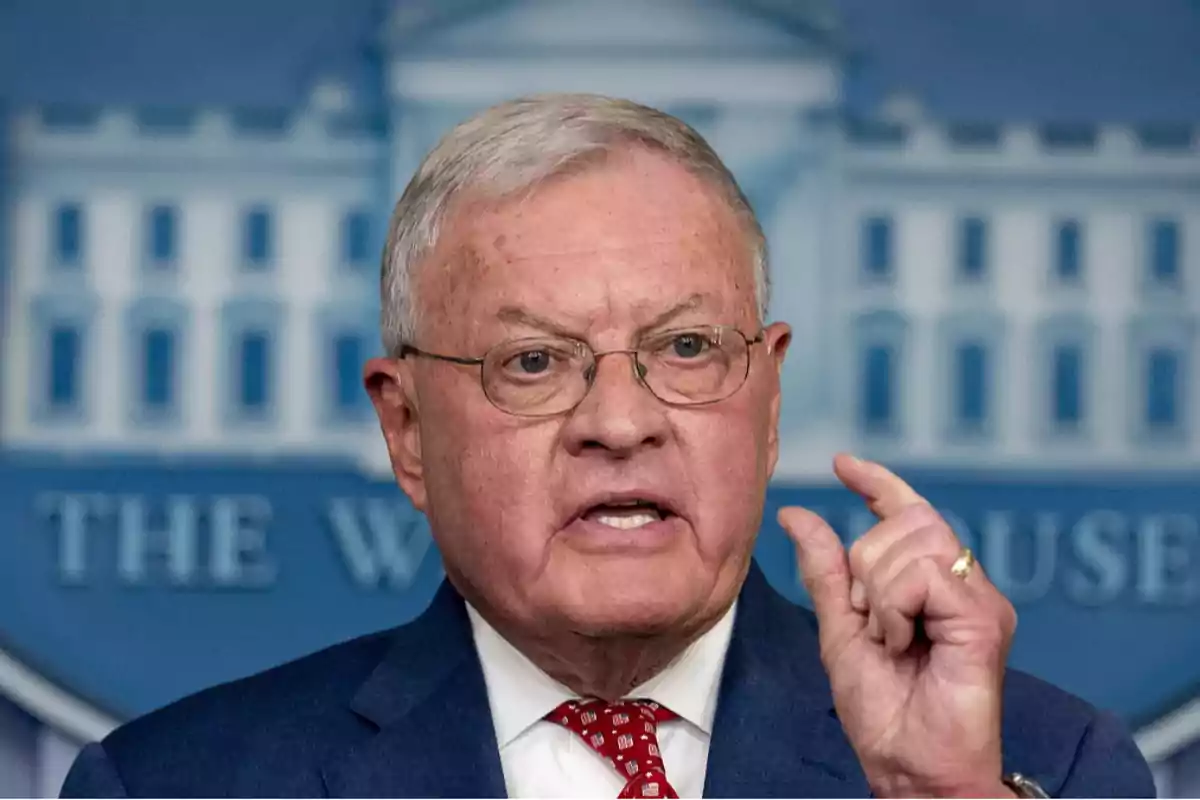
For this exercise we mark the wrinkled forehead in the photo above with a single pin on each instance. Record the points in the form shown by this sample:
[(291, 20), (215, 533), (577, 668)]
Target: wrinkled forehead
[(611, 247)]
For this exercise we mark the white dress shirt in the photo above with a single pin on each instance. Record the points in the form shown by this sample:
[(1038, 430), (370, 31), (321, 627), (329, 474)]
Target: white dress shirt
[(544, 759)]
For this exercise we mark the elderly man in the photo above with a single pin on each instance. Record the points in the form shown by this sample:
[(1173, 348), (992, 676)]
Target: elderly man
[(582, 394)]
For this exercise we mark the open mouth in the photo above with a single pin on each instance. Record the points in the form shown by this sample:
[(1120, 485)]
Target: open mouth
[(628, 514)]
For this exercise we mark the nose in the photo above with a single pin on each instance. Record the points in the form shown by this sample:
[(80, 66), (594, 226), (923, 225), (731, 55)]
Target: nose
[(619, 416)]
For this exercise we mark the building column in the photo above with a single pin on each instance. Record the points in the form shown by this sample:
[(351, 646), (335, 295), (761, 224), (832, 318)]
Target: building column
[(208, 278), (6, 226), (110, 260), (783, 168)]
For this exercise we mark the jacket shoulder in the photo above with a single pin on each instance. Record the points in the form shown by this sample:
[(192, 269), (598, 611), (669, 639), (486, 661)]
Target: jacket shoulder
[(273, 723)]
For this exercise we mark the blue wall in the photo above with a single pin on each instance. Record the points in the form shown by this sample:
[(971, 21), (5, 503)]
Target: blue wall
[(132, 584)]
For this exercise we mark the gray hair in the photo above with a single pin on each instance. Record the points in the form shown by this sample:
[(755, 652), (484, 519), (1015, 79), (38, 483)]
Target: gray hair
[(514, 146)]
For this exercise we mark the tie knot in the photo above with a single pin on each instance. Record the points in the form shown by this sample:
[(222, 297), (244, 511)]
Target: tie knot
[(625, 733), (593, 711)]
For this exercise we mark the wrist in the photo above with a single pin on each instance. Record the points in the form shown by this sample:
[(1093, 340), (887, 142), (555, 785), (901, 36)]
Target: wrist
[(991, 789), (1000, 788), (1019, 785)]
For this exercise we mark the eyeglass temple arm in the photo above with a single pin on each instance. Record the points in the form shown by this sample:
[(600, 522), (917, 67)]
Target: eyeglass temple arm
[(408, 349)]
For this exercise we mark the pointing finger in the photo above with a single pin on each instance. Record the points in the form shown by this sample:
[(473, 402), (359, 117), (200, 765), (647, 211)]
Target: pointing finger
[(825, 569), (885, 492)]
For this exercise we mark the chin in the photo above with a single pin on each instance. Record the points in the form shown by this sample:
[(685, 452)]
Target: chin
[(629, 613)]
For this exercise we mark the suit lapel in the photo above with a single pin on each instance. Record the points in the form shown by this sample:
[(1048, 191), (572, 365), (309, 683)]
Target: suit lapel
[(775, 733), (428, 704)]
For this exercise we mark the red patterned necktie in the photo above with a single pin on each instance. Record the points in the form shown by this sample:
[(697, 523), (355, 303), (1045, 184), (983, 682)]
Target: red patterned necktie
[(626, 733)]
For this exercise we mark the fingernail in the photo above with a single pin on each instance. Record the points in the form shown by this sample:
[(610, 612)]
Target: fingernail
[(858, 596)]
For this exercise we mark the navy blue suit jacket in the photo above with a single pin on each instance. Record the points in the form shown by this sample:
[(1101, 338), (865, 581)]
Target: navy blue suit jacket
[(405, 713)]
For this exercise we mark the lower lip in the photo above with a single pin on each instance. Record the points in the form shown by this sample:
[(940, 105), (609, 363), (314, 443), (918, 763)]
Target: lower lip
[(596, 536)]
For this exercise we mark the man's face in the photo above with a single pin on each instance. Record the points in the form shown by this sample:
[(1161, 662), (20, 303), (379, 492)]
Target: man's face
[(520, 508)]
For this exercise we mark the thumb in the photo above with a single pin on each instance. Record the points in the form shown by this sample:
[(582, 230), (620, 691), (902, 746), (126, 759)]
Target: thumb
[(825, 569)]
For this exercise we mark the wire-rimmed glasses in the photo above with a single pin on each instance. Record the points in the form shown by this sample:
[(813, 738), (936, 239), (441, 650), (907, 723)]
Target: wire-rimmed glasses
[(547, 375)]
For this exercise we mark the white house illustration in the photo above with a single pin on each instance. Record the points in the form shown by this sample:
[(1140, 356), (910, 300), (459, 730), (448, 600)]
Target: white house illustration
[(984, 227)]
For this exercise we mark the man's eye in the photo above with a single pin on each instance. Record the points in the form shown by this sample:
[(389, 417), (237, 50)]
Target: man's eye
[(532, 362), (689, 345)]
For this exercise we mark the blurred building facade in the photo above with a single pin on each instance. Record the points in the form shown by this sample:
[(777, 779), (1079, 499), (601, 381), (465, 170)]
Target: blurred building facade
[(984, 271)]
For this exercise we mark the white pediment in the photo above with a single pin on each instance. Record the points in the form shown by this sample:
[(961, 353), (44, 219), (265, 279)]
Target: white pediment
[(670, 28), (464, 54)]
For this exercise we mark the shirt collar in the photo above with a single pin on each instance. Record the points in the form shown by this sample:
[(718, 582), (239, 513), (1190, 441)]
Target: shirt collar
[(520, 694)]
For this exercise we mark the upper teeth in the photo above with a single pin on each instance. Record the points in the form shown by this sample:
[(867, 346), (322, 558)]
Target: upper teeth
[(626, 521)]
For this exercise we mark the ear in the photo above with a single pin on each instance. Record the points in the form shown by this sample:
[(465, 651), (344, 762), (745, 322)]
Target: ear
[(389, 383), (776, 338)]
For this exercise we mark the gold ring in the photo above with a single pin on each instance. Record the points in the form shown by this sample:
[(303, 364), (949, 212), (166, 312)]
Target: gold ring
[(962, 565)]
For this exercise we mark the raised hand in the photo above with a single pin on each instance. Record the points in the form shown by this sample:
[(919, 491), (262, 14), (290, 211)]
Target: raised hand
[(914, 638)]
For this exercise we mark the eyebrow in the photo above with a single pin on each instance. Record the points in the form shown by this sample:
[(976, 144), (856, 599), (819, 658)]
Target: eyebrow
[(520, 316), (690, 303)]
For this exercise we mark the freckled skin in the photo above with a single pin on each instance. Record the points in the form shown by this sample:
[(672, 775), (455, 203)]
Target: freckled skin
[(600, 252)]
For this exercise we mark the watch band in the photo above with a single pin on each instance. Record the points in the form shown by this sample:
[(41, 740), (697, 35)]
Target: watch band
[(1023, 786)]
